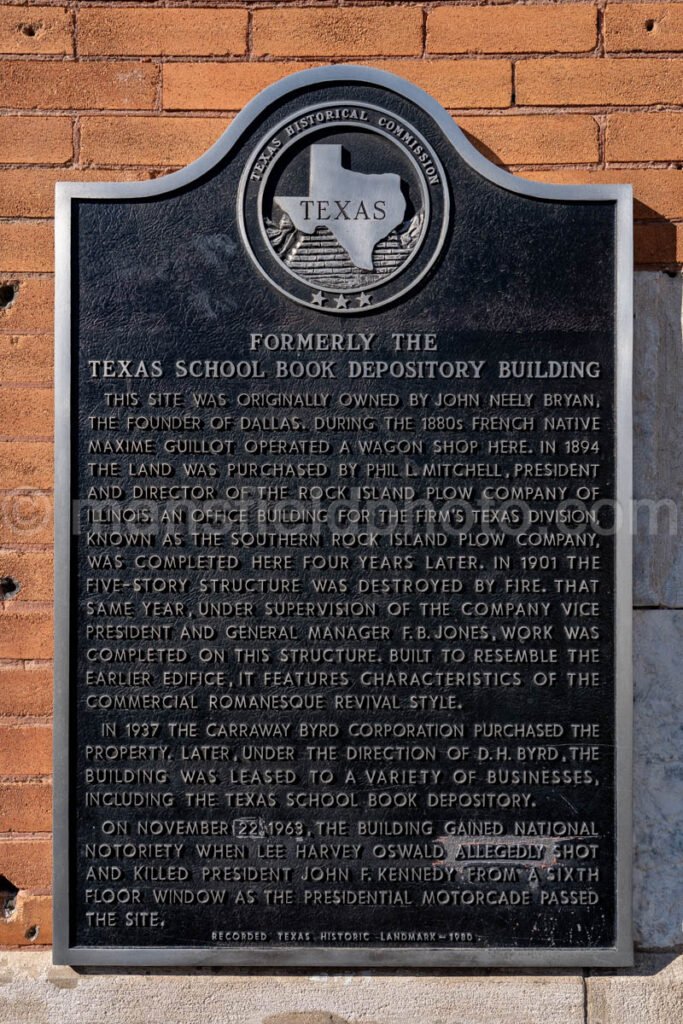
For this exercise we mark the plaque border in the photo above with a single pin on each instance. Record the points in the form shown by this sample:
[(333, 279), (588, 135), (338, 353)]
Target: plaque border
[(619, 955)]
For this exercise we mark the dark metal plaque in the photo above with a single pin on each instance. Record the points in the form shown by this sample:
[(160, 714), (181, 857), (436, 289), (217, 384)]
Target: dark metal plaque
[(343, 574)]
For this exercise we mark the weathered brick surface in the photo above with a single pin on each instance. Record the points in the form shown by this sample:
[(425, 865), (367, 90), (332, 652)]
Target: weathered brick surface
[(345, 32), (27, 863), (30, 192), (25, 359), (209, 86), (30, 924), (551, 28), (157, 141), (644, 136), (658, 242), (537, 139), (25, 633), (644, 27), (181, 32), (57, 85), (30, 308), (25, 750), (35, 30), (31, 570), (610, 81), (26, 412), (25, 690), (206, 86), (26, 464), (26, 245), (35, 140), (479, 84), (25, 807), (26, 516)]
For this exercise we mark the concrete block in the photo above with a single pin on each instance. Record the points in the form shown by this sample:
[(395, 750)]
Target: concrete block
[(32, 991), (658, 439), (650, 993), (658, 778)]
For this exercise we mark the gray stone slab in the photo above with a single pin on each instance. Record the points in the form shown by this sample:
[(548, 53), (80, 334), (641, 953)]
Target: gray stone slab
[(658, 778), (34, 992), (658, 440), (650, 993)]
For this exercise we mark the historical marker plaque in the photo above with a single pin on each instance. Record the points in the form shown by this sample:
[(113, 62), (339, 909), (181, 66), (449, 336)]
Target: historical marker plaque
[(343, 574)]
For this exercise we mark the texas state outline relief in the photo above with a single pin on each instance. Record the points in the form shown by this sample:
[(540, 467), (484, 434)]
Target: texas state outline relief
[(359, 209)]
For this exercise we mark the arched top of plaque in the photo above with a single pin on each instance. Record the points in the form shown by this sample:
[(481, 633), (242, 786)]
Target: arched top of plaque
[(349, 183), (295, 86)]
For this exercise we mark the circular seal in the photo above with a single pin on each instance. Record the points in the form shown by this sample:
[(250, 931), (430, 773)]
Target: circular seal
[(343, 207)]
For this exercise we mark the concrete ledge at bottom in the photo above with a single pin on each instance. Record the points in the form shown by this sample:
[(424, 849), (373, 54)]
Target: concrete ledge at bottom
[(32, 991), (649, 993)]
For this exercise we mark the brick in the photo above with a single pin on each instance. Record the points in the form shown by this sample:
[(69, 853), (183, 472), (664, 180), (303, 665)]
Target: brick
[(209, 86), (33, 572), (341, 32), (25, 359), (644, 28), (656, 136), (25, 807), (538, 139), (657, 193), (63, 85), (203, 32), (26, 245), (30, 309), (25, 634), (586, 81), (27, 863), (658, 244), (26, 464), (478, 84), (156, 141), (35, 140), (35, 30), (25, 750), (25, 690), (30, 924), (26, 516), (544, 28), (26, 412), (30, 192)]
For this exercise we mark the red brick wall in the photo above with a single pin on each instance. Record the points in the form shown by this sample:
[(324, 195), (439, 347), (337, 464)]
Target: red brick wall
[(564, 91)]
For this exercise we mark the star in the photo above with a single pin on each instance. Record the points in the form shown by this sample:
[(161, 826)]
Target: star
[(363, 300), (318, 299), (342, 302)]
